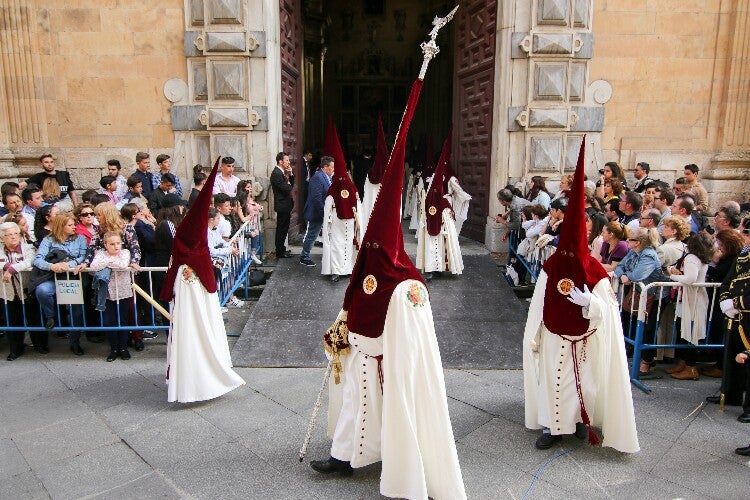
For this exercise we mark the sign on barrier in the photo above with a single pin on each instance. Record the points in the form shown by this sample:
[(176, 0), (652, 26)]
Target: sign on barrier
[(69, 292)]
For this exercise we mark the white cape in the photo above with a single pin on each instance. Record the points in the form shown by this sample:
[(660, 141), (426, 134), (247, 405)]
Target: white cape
[(459, 201), (407, 426), (368, 202), (442, 252), (199, 366), (339, 250), (548, 376)]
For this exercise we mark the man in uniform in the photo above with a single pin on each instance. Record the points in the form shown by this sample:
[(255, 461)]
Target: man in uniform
[(574, 365)]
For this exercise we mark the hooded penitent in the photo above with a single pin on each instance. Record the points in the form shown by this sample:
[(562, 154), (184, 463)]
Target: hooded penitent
[(190, 245), (375, 174), (435, 201), (571, 265), (342, 188), (382, 262)]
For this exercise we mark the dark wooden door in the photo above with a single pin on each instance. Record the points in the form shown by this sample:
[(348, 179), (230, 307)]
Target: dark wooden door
[(473, 88), (290, 18)]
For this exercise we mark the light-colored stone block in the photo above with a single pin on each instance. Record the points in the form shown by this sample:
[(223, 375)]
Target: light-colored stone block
[(225, 42), (548, 118), (552, 43), (553, 12), (224, 11), (546, 153), (229, 80), (234, 145), (549, 81), (228, 117)]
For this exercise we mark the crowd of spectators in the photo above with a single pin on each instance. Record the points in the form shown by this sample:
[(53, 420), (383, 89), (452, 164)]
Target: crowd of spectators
[(104, 241), (648, 233)]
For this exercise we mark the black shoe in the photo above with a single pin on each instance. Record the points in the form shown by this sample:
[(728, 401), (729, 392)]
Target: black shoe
[(745, 452), (744, 418), (335, 278), (113, 355), (306, 262), (545, 441), (332, 465), (125, 354), (287, 254), (717, 400), (427, 276), (12, 356), (581, 431), (49, 323), (41, 350), (138, 345), (76, 349), (148, 335)]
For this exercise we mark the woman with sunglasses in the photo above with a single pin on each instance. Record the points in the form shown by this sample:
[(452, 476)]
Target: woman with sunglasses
[(86, 224)]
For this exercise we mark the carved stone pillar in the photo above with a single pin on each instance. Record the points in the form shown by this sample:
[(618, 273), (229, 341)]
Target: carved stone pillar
[(22, 114), (729, 175)]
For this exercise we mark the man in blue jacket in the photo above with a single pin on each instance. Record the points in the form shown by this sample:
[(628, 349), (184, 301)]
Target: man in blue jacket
[(313, 213)]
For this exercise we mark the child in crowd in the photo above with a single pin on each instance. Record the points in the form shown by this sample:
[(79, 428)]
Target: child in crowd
[(112, 264), (109, 186), (220, 251), (252, 212)]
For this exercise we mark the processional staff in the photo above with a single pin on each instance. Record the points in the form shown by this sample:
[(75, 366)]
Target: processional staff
[(429, 50)]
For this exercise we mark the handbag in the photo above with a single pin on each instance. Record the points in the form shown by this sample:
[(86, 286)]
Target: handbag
[(632, 299), (256, 277)]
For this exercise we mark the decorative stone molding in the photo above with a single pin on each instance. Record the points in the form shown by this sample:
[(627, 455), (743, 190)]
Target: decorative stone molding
[(176, 90), (535, 43)]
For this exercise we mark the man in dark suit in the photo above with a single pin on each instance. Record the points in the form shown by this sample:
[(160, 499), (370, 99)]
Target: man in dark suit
[(282, 183), (313, 213)]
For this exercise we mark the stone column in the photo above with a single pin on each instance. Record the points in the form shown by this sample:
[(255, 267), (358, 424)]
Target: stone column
[(22, 114), (729, 175)]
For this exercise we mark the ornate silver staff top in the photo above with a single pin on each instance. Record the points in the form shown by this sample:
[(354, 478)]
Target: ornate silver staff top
[(430, 49)]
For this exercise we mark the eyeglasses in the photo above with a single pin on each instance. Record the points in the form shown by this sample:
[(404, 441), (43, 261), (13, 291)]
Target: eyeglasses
[(634, 239), (87, 214)]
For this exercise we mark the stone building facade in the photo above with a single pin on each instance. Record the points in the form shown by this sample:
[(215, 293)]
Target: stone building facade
[(662, 81)]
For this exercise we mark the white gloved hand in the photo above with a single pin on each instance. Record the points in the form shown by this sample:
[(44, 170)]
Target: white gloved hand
[(726, 305), (580, 298), (731, 313)]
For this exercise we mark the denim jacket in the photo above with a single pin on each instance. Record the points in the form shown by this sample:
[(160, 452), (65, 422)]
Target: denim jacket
[(74, 246), (643, 266)]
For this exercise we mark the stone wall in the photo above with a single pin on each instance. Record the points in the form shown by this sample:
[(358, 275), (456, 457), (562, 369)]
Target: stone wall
[(678, 94), (84, 80)]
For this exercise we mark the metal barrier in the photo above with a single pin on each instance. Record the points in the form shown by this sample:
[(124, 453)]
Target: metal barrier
[(83, 317), (534, 265), (235, 272), (660, 305), (141, 315)]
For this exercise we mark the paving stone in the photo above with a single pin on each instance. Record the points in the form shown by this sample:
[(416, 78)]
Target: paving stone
[(486, 394), (295, 389), (648, 487), (230, 470), (12, 459), (23, 486), (41, 412), (137, 413), (174, 435), (279, 443), (83, 370), (115, 391), (465, 418), (509, 442), (26, 385), (42, 446), (243, 411), (152, 485), (92, 472), (704, 473)]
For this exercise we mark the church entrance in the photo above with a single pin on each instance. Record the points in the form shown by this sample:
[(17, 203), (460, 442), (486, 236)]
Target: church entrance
[(360, 58)]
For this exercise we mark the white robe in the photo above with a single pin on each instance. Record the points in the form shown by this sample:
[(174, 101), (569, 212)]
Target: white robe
[(459, 201), (549, 380), (339, 251), (409, 197), (407, 426), (199, 366), (368, 202), (416, 205), (442, 252)]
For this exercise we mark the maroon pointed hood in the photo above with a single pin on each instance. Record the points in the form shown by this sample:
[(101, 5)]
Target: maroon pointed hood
[(375, 174), (382, 262), (571, 264), (190, 245), (342, 188), (435, 202)]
